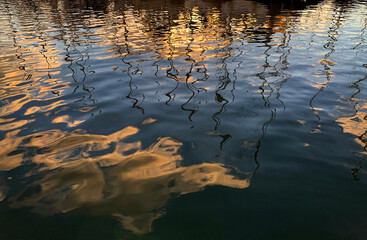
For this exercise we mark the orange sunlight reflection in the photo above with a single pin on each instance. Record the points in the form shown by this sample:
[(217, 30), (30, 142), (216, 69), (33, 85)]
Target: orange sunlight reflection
[(105, 176)]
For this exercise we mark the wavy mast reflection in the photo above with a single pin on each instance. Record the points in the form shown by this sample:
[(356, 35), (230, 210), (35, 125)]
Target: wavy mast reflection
[(326, 62), (356, 124), (209, 37), (200, 68)]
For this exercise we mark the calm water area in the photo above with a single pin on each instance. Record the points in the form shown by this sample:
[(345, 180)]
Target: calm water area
[(183, 119)]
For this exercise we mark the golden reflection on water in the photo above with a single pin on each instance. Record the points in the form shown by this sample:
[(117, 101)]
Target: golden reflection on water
[(191, 45), (28, 66), (355, 125), (199, 43), (104, 175)]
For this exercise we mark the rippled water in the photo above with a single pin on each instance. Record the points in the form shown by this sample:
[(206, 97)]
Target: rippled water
[(183, 119)]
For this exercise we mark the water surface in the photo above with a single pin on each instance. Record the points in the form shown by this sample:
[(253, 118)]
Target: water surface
[(183, 119)]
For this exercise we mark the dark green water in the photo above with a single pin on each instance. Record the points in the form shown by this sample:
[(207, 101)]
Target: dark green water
[(189, 119)]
